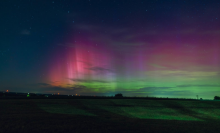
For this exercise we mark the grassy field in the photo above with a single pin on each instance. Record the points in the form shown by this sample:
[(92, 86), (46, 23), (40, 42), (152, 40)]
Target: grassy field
[(108, 115)]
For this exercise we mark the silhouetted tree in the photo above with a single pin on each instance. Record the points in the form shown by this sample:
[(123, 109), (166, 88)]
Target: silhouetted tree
[(118, 95), (216, 98)]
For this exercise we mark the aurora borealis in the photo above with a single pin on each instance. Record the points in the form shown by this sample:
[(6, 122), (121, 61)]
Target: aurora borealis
[(91, 47)]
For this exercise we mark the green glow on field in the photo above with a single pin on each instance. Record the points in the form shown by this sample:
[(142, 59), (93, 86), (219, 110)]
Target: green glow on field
[(138, 108), (150, 113), (63, 109), (150, 109), (208, 113)]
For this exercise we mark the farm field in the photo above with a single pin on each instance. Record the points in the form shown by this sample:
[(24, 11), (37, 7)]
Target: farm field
[(108, 115)]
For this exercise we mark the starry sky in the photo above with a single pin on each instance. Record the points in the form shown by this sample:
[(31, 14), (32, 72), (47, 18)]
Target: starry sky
[(102, 47)]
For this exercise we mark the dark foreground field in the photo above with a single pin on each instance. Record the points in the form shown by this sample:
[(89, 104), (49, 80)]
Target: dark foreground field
[(108, 115)]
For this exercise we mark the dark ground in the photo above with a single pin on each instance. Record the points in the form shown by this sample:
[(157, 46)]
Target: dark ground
[(44, 115)]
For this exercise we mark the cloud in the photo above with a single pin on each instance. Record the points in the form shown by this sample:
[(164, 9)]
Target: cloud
[(39, 84), (25, 32), (154, 88), (206, 85), (122, 36), (72, 89), (86, 63), (78, 87), (182, 73), (144, 90), (157, 66), (43, 84), (95, 68), (89, 81), (58, 89)]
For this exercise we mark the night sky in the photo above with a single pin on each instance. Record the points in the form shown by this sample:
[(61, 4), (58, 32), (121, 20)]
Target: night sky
[(162, 48)]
